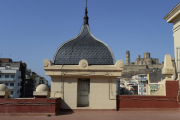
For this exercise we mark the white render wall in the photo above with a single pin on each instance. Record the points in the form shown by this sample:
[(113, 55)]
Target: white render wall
[(174, 17), (176, 30), (102, 92), (176, 35), (15, 89)]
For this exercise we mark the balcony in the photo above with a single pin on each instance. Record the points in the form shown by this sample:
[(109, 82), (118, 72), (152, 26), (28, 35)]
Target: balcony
[(142, 78), (10, 87), (141, 90), (7, 79), (155, 87), (141, 85)]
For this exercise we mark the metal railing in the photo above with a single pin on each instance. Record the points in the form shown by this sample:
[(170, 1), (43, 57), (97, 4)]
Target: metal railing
[(7, 79), (10, 87), (154, 87), (142, 78)]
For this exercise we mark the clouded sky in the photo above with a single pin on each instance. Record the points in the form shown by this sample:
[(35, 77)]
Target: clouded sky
[(32, 30)]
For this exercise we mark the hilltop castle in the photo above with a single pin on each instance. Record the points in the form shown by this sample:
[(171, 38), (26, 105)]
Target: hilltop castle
[(142, 63), (147, 60)]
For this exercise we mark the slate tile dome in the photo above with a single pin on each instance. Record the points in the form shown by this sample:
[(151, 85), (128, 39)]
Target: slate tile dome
[(84, 46)]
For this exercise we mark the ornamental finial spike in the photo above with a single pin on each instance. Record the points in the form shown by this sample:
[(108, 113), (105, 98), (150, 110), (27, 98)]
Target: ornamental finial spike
[(86, 18)]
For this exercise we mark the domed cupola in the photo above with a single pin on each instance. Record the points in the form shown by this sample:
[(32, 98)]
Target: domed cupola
[(84, 46)]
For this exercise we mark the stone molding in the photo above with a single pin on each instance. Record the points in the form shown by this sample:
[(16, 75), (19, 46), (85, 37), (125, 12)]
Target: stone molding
[(83, 69), (168, 71), (41, 93), (176, 28), (83, 63)]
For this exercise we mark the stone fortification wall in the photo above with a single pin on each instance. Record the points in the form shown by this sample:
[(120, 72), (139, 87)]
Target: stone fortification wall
[(134, 67), (141, 67), (159, 66), (131, 70)]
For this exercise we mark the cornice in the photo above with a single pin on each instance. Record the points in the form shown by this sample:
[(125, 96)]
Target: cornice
[(83, 69), (173, 13)]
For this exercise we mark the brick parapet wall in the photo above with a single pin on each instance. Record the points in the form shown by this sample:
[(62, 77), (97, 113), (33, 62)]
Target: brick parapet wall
[(138, 101), (30, 106)]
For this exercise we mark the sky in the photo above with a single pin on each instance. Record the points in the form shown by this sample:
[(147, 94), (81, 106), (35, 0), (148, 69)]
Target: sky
[(32, 30)]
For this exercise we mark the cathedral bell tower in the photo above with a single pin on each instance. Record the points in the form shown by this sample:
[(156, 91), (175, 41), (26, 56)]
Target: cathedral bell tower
[(127, 58)]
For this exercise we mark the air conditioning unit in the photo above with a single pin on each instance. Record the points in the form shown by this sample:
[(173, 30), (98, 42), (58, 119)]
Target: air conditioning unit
[(7, 66)]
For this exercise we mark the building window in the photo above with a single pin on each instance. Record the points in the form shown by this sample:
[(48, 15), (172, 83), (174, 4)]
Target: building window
[(11, 92), (6, 84), (6, 76), (12, 76), (19, 77), (11, 84), (178, 58), (18, 92), (0, 76), (18, 84)]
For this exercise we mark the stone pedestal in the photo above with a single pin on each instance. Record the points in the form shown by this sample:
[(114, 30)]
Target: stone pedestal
[(168, 69)]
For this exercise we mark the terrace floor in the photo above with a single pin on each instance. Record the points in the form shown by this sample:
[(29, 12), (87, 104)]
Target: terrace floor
[(105, 115)]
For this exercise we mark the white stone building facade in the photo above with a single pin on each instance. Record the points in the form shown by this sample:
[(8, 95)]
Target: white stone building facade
[(174, 17), (11, 77)]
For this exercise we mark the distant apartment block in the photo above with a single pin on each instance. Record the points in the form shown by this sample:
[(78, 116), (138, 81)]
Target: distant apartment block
[(142, 83), (41, 80), (32, 81), (21, 67), (13, 72), (11, 77)]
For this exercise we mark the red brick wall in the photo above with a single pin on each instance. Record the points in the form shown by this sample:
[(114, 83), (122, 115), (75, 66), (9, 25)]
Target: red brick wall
[(172, 88), (5, 60), (37, 105), (138, 101)]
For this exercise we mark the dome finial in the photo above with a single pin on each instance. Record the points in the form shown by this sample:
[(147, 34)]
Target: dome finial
[(86, 16)]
